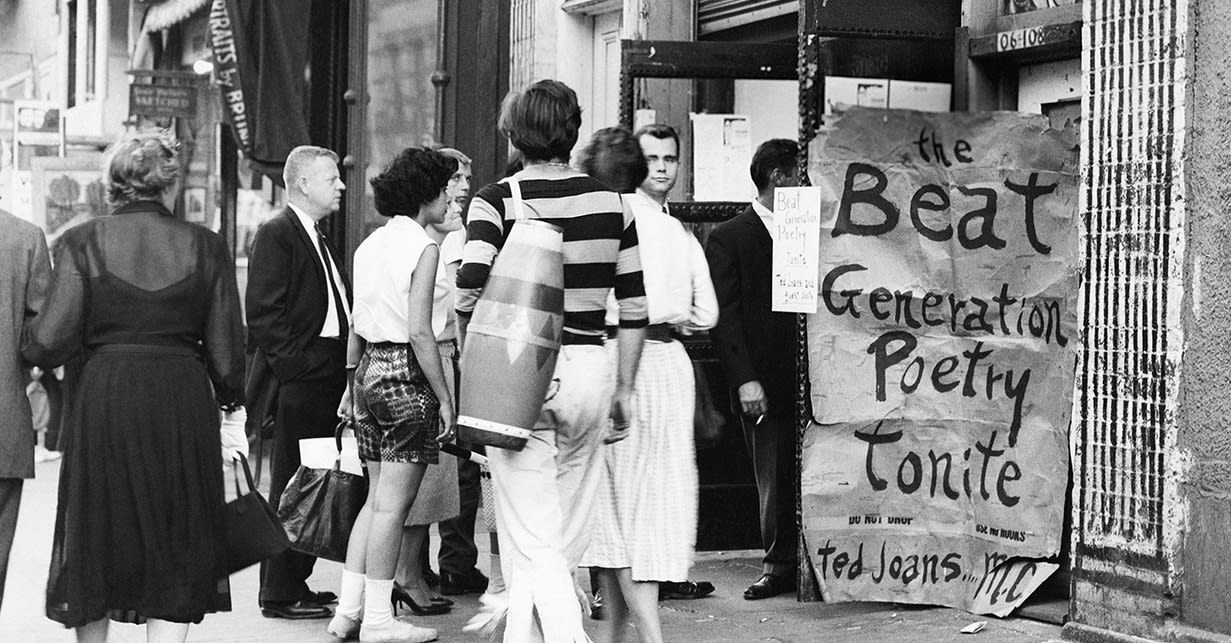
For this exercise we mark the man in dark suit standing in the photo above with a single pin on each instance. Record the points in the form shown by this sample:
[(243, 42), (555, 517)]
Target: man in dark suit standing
[(298, 312), (757, 350), (25, 272)]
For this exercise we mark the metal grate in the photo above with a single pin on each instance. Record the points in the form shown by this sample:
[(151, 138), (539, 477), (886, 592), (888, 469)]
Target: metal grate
[(521, 44), (1131, 154)]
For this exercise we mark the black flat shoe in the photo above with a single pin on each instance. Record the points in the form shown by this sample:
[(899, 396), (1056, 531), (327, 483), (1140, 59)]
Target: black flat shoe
[(686, 590), (402, 597), (769, 585), (299, 610), (472, 582)]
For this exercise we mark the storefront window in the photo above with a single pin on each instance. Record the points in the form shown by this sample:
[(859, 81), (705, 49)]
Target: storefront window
[(402, 54)]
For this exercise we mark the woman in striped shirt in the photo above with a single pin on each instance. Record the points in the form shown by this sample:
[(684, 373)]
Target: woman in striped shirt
[(545, 492)]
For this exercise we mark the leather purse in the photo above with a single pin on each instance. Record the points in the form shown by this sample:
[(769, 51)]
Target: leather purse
[(253, 533), (319, 506)]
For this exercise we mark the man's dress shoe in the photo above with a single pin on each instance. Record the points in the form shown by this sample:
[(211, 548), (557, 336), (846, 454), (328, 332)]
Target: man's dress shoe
[(769, 585), (298, 610)]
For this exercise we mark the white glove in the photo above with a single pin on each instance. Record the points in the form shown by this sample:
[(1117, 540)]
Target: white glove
[(234, 437)]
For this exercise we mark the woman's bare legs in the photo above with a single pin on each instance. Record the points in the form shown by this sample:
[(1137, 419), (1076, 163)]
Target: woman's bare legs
[(642, 601), (95, 632), (614, 627), (160, 631)]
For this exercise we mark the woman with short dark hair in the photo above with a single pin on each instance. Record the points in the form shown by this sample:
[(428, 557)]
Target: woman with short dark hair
[(647, 502), (396, 394), (544, 493), (152, 300)]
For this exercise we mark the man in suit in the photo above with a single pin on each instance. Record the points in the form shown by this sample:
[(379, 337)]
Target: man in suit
[(757, 350), (25, 272), (298, 312)]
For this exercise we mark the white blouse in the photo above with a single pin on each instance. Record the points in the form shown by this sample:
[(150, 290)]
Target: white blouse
[(678, 289), (384, 265), (444, 319)]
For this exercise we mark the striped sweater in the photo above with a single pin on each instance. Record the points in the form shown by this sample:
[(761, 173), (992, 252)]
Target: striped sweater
[(600, 249)]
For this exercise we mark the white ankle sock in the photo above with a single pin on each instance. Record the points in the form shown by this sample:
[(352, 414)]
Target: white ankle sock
[(377, 609), (350, 600)]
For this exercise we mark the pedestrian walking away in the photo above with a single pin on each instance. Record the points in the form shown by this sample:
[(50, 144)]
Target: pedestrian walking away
[(646, 526), (545, 492), (153, 300), (26, 272)]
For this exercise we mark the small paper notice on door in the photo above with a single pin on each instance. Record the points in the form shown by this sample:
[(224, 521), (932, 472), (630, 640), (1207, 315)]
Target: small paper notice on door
[(797, 242)]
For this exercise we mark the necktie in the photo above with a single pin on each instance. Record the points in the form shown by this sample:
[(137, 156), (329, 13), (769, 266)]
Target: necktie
[(343, 330)]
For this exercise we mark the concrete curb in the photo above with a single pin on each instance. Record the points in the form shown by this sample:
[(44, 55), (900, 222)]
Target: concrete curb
[(1088, 634)]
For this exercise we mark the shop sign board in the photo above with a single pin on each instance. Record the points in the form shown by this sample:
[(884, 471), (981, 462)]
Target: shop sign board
[(162, 101), (941, 356)]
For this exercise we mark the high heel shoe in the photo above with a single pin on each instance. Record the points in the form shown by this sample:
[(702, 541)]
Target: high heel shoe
[(401, 596)]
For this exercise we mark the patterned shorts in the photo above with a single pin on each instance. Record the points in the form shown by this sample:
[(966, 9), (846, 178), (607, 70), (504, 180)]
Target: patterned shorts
[(396, 413)]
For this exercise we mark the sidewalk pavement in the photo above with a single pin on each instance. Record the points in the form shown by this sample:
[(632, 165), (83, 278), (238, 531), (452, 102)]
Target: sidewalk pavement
[(721, 618)]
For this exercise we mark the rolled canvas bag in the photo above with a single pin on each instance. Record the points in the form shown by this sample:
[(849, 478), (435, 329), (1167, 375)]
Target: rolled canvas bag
[(514, 336)]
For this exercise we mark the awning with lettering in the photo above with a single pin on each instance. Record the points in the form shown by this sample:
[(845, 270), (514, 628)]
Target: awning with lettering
[(163, 14)]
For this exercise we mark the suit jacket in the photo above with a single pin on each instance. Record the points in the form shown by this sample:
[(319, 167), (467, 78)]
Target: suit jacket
[(752, 341), (286, 303), (25, 273)]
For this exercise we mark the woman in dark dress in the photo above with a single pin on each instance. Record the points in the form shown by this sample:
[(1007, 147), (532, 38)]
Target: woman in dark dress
[(152, 302)]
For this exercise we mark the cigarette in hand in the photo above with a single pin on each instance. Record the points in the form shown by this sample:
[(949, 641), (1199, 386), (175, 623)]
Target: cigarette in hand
[(759, 418)]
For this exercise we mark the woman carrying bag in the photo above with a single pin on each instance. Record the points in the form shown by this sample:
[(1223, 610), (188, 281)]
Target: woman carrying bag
[(397, 395), (139, 533)]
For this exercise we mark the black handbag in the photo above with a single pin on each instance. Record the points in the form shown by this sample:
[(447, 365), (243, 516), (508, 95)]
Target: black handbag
[(319, 506), (707, 420), (253, 533)]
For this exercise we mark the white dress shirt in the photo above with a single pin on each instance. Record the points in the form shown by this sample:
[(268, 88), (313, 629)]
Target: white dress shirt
[(384, 265), (330, 327), (766, 216), (678, 289)]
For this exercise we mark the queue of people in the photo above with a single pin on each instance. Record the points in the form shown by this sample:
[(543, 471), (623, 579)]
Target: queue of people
[(607, 479)]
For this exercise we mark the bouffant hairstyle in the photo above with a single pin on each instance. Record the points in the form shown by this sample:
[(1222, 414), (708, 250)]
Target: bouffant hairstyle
[(775, 154), (613, 156), (414, 177), (142, 167), (659, 130), (542, 121)]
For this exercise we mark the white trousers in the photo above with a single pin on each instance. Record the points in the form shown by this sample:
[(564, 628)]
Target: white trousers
[(545, 496)]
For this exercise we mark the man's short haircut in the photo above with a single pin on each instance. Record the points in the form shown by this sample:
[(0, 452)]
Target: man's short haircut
[(142, 167), (455, 154), (300, 158), (613, 156), (780, 154), (414, 177), (542, 121), (659, 130)]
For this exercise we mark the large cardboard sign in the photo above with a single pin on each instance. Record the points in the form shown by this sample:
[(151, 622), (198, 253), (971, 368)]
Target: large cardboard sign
[(941, 356)]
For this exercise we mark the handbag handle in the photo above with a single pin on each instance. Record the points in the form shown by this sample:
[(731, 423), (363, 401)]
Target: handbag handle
[(337, 440), (243, 462)]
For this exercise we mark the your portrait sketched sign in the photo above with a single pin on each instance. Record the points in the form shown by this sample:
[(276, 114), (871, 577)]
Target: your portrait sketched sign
[(941, 356)]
